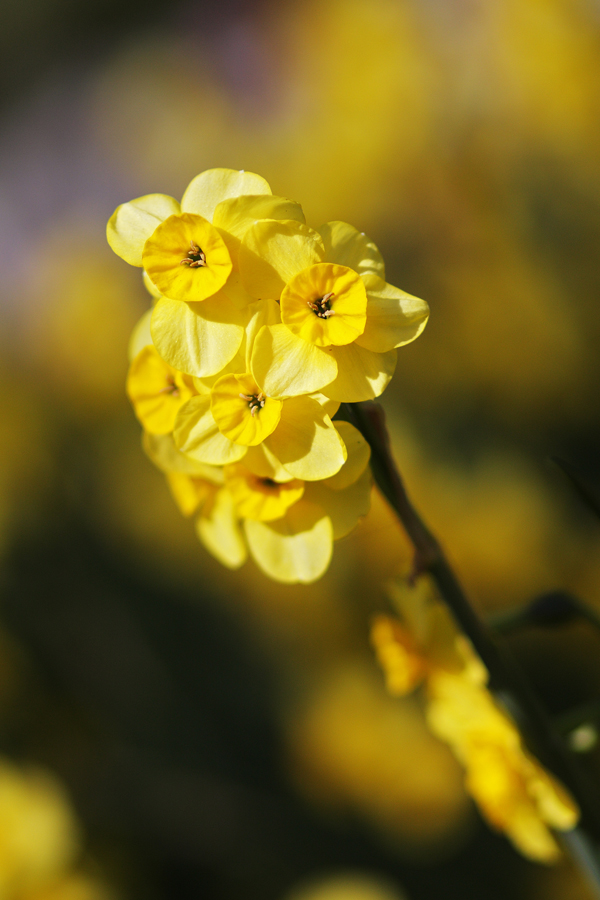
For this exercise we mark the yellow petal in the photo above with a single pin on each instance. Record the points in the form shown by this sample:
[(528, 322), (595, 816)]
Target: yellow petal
[(554, 804), (325, 304), (362, 374), (150, 286), (344, 507), (262, 312), (242, 411), (330, 406), (260, 498), (172, 253), (346, 246), (262, 462), (210, 188), (272, 252), (133, 223), (306, 442), (403, 666), (189, 493), (233, 217), (294, 549), (236, 291), (197, 435), (359, 454), (205, 385), (220, 532), (140, 336), (198, 338), (286, 366), (531, 837), (156, 391), (393, 317), (163, 452)]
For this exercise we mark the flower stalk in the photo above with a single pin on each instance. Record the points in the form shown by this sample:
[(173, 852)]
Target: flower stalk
[(507, 682)]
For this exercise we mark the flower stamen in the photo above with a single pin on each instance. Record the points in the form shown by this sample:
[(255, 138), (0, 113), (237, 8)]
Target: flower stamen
[(195, 257), (322, 306), (255, 402), (171, 388)]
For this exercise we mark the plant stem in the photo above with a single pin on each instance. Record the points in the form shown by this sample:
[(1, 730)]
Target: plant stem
[(506, 680)]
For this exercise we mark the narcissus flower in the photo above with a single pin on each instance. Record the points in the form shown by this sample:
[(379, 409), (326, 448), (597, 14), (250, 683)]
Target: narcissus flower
[(513, 791), (197, 274), (157, 391), (242, 411), (260, 497), (335, 306)]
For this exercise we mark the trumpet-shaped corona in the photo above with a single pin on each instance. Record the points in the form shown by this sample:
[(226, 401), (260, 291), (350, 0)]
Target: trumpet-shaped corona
[(259, 497), (186, 258), (243, 412), (325, 305)]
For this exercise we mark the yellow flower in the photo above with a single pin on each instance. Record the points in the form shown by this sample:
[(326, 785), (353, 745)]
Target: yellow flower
[(258, 497), (157, 391), (513, 791), (297, 432), (186, 258), (403, 666), (325, 305), (298, 546), (286, 523), (190, 253), (335, 308), (242, 411)]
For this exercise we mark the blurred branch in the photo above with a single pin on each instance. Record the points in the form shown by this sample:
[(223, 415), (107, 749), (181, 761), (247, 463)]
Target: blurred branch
[(506, 679)]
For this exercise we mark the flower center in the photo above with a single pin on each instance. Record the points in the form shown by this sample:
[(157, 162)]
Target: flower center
[(171, 388), (268, 483), (195, 257), (255, 402), (322, 306)]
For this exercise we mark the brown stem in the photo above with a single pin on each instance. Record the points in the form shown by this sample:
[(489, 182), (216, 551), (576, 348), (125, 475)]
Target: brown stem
[(506, 679)]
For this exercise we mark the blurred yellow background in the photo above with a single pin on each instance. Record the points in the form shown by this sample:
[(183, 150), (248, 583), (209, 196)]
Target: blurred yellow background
[(223, 735)]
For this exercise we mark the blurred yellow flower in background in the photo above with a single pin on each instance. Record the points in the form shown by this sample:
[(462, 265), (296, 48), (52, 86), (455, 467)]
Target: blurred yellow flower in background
[(513, 791), (353, 748), (346, 885), (40, 840)]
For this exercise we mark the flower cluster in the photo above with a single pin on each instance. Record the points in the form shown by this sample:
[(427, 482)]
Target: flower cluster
[(261, 327), (513, 791)]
